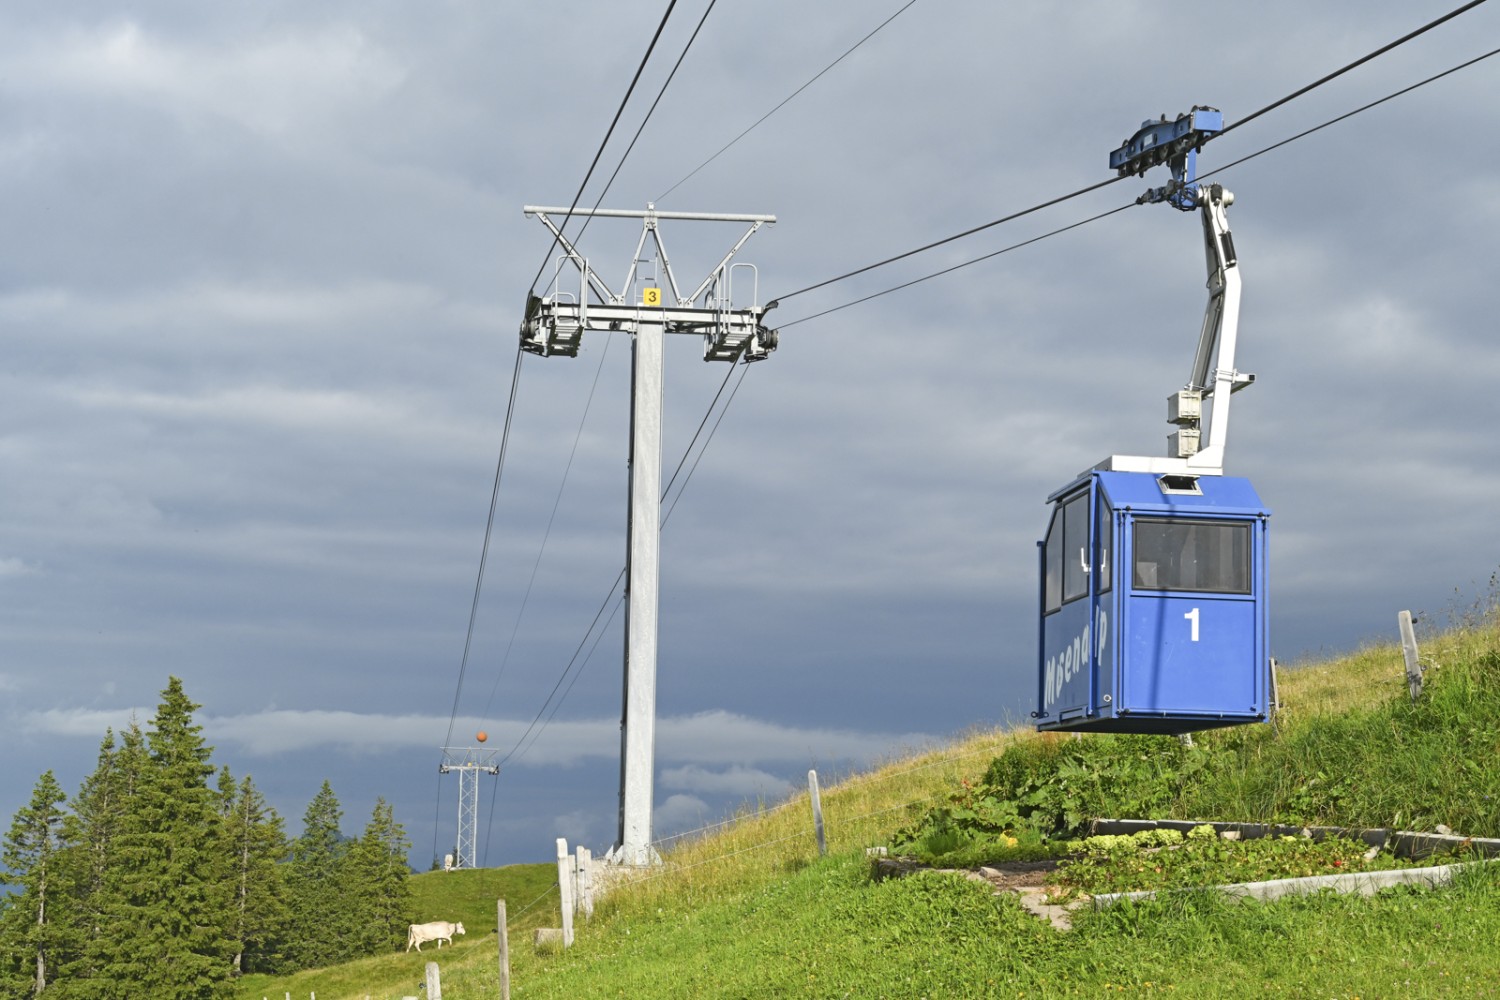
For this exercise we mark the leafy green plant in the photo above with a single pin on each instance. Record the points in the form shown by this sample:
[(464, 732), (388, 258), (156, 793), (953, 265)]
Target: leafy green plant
[(1038, 795), (1202, 858)]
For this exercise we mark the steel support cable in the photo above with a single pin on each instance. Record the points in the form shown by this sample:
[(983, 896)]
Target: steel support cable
[(693, 468), (615, 121), (649, 112), (484, 551), (1269, 107), (547, 534), (1350, 114), (689, 449), (744, 370), (949, 239), (515, 750), (1275, 104), (522, 751), (1233, 163), (563, 676), (956, 267), (489, 825), (608, 184), (1356, 63), (785, 102), (1389, 97)]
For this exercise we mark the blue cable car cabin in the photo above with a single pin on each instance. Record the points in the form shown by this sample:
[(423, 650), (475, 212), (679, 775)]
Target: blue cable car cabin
[(1154, 610)]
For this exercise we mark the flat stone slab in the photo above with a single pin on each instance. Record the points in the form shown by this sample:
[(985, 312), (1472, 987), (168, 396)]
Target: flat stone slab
[(1362, 883), (1027, 879)]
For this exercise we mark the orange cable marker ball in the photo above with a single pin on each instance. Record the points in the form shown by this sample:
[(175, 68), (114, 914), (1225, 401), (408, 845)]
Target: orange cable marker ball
[(482, 736)]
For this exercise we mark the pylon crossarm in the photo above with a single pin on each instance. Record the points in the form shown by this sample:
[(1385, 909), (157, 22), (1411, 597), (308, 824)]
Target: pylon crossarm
[(714, 274), (579, 261)]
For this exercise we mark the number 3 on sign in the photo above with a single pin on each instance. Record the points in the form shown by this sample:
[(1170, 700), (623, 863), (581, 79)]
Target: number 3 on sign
[(651, 297), (1192, 616)]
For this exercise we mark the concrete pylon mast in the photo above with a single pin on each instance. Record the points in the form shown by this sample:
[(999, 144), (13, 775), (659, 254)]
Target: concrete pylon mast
[(554, 325), (468, 763)]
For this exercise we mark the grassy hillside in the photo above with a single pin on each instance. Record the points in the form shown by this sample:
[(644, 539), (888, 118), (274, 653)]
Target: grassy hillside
[(753, 912), (466, 897)]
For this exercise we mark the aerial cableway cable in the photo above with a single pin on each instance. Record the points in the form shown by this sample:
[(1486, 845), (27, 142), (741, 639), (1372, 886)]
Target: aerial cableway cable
[(1094, 187), (1356, 63), (956, 267), (786, 101), (948, 239), (649, 112), (547, 533), (744, 370), (615, 121), (969, 232), (484, 551), (1095, 218), (1350, 114), (520, 751), (536, 720), (1046, 204), (522, 746)]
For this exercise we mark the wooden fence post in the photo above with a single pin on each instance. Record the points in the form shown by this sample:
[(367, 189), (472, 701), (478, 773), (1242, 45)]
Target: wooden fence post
[(504, 952), (434, 982), (817, 810), (1409, 650), (565, 890)]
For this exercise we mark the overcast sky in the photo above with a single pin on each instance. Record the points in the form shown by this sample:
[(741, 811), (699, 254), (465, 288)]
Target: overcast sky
[(263, 265)]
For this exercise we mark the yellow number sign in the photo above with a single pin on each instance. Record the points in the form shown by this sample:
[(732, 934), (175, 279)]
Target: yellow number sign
[(651, 297)]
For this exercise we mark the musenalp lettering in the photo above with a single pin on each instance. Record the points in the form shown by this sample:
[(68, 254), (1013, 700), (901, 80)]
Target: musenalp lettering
[(1071, 660)]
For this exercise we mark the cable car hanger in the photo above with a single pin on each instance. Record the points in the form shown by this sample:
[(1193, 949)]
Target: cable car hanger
[(1175, 143)]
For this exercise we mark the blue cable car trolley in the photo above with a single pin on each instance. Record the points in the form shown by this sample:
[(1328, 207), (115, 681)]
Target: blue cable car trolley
[(1153, 569)]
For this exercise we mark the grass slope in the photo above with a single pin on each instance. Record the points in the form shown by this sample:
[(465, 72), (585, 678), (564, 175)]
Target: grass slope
[(752, 912), (466, 897)]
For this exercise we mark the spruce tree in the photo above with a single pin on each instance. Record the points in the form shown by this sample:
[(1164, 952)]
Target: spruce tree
[(166, 933), (377, 882), (256, 844), (91, 831), (322, 924), (32, 849)]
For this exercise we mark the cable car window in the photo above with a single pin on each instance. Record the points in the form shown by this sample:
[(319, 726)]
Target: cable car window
[(1052, 563), (1106, 536), (1207, 556), (1076, 548)]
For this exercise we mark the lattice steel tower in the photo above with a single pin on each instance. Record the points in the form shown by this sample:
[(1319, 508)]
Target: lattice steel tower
[(468, 763)]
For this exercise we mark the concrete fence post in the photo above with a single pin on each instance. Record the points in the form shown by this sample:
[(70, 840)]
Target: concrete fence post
[(586, 882), (1409, 650), (817, 811), (504, 952), (565, 890)]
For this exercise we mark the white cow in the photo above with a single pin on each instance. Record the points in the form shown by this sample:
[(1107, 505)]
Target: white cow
[(438, 930)]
